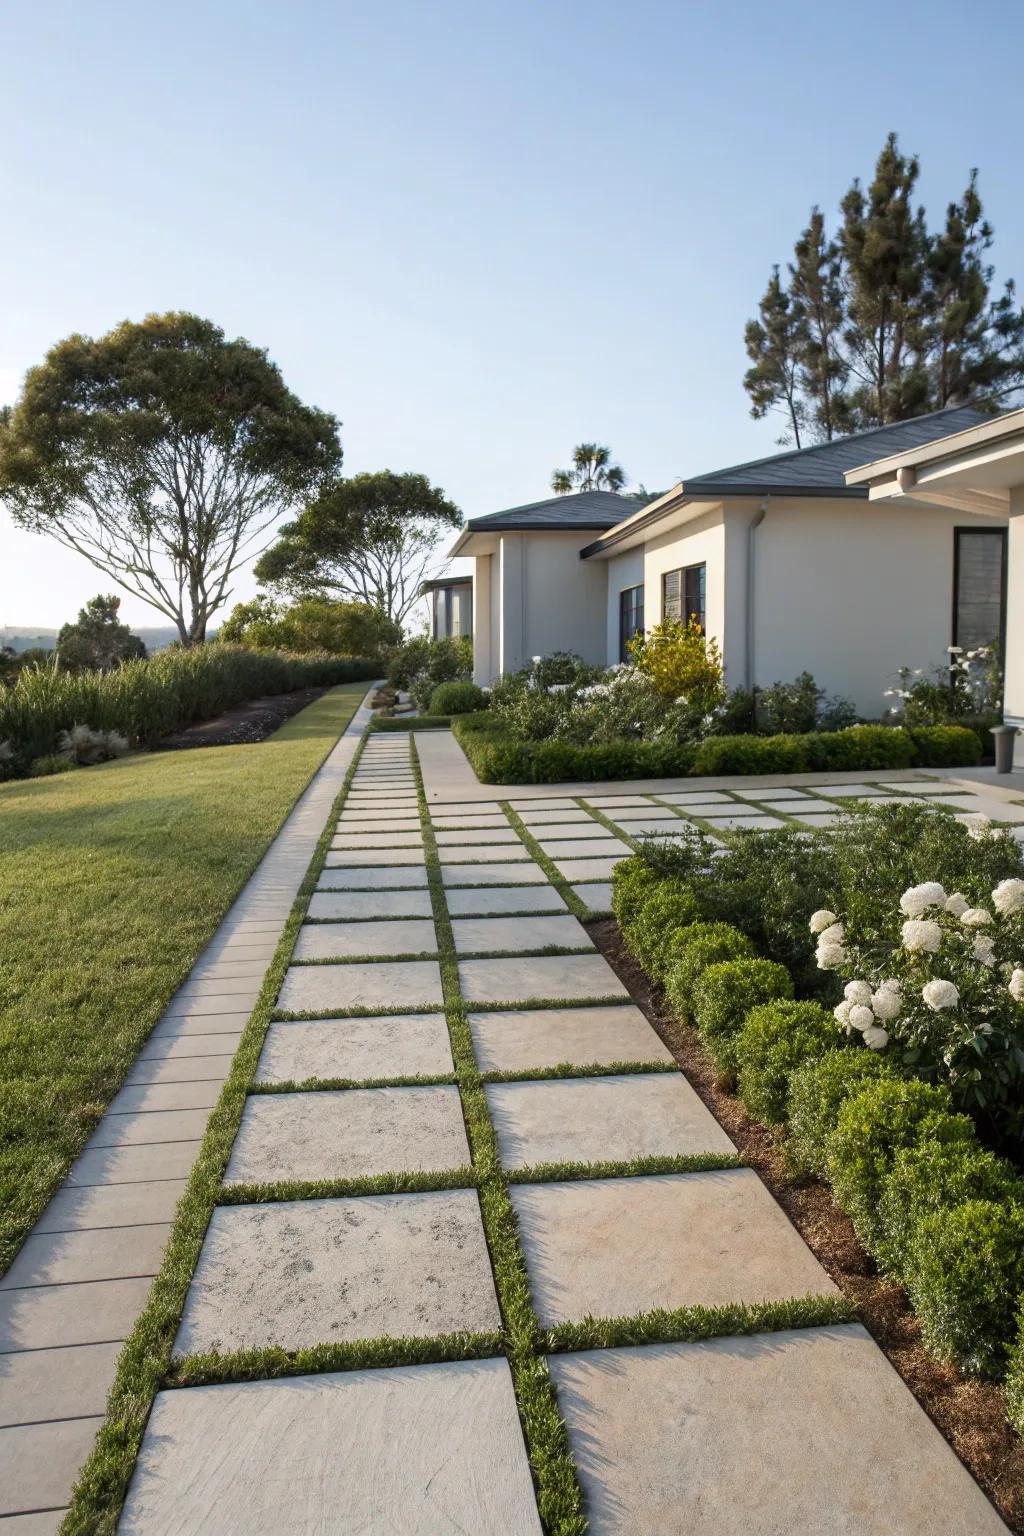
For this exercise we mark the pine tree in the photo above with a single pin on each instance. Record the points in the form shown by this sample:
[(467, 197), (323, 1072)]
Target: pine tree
[(775, 345), (816, 291)]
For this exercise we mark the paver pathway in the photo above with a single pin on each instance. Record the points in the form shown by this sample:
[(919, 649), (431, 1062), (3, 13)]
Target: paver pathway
[(436, 1117)]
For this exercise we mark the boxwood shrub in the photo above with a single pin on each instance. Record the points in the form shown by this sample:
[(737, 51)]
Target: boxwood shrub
[(457, 699), (666, 913), (724, 995), (871, 1128), (967, 1280), (1013, 1386), (776, 1038), (696, 948), (817, 1092), (632, 879), (929, 1177), (946, 746), (498, 758)]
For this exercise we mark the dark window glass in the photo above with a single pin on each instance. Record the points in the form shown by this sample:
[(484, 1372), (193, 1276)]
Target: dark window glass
[(631, 618), (683, 595), (979, 590)]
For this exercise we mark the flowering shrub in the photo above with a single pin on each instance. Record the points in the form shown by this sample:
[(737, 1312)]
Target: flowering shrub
[(969, 685), (942, 982), (682, 663), (561, 699)]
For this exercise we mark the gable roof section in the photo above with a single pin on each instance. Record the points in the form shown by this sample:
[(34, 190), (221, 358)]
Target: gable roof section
[(810, 471), (584, 509)]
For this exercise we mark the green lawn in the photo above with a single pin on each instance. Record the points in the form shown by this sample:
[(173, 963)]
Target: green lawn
[(112, 879)]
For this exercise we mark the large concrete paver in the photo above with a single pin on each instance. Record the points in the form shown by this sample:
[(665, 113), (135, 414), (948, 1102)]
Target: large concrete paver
[(300, 1273), (337, 906), (379, 985), (801, 1433), (45, 1316), (589, 869), (526, 977), (524, 934), (615, 1247), (476, 836), (395, 1045), (418, 1449), (111, 1205), (345, 878), (492, 874), (38, 1463), (602, 1119), (354, 1133), (524, 1038), (596, 895), (498, 853), (499, 900), (383, 937), (41, 1385), (105, 1253), (373, 858)]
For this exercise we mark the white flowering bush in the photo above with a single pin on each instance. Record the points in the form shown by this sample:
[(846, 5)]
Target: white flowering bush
[(941, 982), (590, 706)]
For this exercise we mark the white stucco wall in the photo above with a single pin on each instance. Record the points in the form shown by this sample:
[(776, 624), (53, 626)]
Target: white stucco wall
[(543, 598), (1013, 706), (623, 571), (851, 591)]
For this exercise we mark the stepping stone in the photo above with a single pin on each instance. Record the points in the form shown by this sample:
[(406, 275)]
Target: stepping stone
[(40, 1463), (499, 899), (470, 823), (631, 816), (143, 1097), (501, 854), (476, 837), (554, 803), (480, 934), (572, 977), (588, 829), (350, 1134), (395, 1045), (111, 1205), (571, 818), (374, 858), (188, 1047), (616, 1247), (531, 1038), (743, 823), (136, 1130), (338, 941), (804, 1431), (412, 839), (797, 807), (371, 821), (589, 869), (826, 819), (586, 848), (363, 904), (597, 896), (186, 1070), (634, 801), (690, 797), (305, 1272), (346, 879), (133, 1165), (380, 985), (493, 874), (426, 1448), (846, 791), (49, 1384), (662, 826), (775, 793), (62, 1258), (995, 810), (602, 1119), (46, 1316)]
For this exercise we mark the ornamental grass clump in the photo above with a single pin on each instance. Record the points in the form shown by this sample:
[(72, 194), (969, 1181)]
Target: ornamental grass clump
[(872, 1126), (940, 983), (701, 945), (723, 998), (775, 1040), (967, 1280), (933, 1176), (817, 1092)]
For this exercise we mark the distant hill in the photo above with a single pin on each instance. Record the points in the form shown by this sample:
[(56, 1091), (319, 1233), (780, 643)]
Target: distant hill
[(26, 637)]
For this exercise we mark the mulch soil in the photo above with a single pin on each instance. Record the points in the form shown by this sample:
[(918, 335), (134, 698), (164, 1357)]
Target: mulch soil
[(253, 721), (971, 1414)]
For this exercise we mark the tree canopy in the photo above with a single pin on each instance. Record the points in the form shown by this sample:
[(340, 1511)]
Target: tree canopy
[(885, 319), (592, 470), (371, 539), (97, 641), (312, 624), (163, 452)]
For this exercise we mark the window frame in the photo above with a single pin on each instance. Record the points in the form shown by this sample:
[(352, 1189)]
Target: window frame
[(960, 532), (639, 629), (683, 617)]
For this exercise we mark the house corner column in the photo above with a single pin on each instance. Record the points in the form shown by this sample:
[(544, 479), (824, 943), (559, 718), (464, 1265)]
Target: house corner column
[(1013, 685), (512, 599), (483, 665)]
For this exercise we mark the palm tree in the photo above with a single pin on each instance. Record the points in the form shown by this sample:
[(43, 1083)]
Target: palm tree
[(592, 470)]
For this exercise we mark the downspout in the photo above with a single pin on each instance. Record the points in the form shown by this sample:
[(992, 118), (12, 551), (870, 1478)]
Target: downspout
[(755, 523)]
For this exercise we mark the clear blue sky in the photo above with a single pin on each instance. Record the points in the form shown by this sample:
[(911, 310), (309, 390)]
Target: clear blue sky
[(477, 230)]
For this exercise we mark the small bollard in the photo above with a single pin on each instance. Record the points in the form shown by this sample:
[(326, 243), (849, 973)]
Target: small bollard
[(1004, 735)]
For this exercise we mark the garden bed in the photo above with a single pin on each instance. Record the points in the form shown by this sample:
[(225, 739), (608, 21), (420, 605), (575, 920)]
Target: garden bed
[(250, 722), (970, 1413)]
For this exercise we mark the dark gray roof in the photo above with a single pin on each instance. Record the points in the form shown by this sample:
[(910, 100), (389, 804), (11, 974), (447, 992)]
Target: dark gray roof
[(805, 471), (585, 509)]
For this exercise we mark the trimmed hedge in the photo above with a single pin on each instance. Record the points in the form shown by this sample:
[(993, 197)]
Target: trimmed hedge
[(934, 1176), (699, 946), (665, 914), (775, 1040), (457, 699), (410, 722), (497, 758), (724, 996), (967, 1281), (817, 1092), (632, 880)]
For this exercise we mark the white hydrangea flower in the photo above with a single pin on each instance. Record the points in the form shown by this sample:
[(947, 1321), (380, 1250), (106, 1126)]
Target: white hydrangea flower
[(861, 1017), (976, 917), (887, 1001), (876, 1037), (977, 825), (830, 956), (833, 935), (1008, 897), (841, 1013), (1016, 984), (821, 920), (857, 992), (921, 935), (940, 994), (984, 949), (957, 904), (918, 898)]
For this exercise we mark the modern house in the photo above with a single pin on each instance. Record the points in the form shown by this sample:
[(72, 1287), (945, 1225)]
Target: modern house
[(787, 565), (978, 474), (451, 606)]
